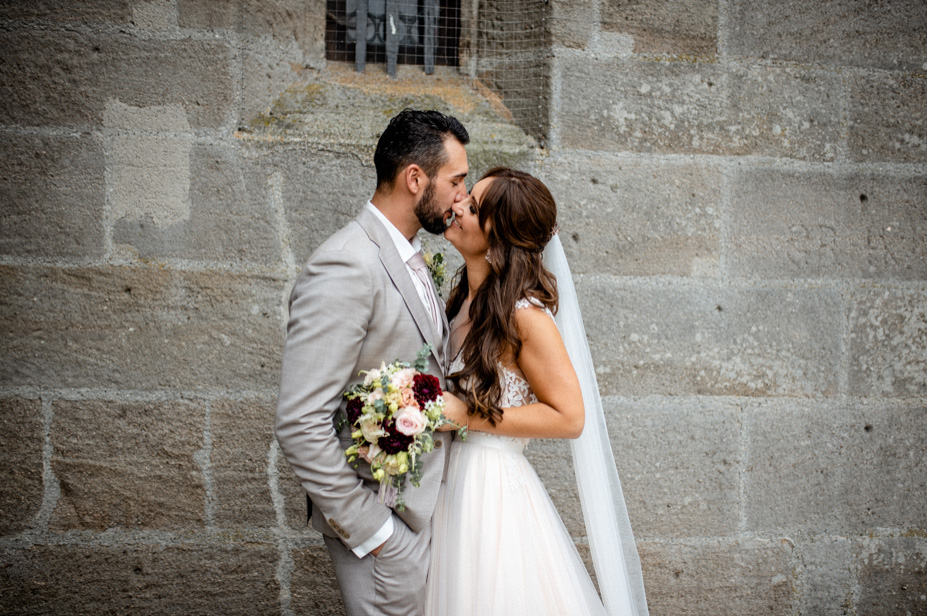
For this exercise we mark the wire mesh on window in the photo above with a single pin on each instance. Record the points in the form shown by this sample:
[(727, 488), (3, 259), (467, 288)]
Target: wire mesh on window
[(410, 28), (512, 58)]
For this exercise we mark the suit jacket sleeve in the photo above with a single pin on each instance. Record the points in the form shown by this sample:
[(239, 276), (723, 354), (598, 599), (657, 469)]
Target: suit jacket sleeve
[(330, 308)]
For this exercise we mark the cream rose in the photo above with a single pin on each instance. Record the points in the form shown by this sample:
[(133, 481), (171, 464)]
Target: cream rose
[(371, 430)]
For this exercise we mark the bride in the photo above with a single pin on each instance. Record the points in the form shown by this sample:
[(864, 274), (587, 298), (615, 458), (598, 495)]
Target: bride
[(498, 544)]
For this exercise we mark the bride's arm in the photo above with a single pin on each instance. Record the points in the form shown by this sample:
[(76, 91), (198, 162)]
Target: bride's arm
[(559, 412)]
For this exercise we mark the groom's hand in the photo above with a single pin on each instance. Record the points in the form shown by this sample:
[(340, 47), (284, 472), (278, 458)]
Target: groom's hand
[(376, 551)]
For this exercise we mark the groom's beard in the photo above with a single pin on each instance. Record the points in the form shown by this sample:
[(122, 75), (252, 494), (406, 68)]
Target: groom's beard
[(430, 219)]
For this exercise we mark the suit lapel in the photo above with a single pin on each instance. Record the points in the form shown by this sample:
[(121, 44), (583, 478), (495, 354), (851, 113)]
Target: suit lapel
[(399, 274)]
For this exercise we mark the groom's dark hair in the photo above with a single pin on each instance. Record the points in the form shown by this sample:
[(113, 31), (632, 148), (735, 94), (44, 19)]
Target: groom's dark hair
[(415, 138)]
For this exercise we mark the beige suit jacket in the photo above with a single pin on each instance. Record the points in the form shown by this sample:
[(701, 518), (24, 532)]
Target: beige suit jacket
[(353, 306)]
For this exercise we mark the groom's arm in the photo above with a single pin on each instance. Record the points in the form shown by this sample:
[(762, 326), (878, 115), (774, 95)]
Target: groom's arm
[(330, 307)]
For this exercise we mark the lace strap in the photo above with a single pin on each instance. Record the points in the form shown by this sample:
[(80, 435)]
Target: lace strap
[(527, 302)]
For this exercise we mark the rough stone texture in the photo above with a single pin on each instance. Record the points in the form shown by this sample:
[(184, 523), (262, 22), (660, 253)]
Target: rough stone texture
[(751, 575), (226, 216), (242, 432), (84, 327), (127, 465), (695, 490), (66, 79), (677, 27), (637, 218), (654, 339), (893, 576), (52, 191), (889, 35), (825, 579), (832, 467), (22, 439), (825, 224), (139, 579), (888, 118), (67, 11), (572, 23), (888, 343), (313, 586), (294, 498), (698, 108)]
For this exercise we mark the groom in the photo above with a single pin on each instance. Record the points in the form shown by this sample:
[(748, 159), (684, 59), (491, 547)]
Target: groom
[(359, 301)]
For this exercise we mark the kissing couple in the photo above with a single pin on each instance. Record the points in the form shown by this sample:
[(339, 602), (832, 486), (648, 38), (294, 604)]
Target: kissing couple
[(478, 534)]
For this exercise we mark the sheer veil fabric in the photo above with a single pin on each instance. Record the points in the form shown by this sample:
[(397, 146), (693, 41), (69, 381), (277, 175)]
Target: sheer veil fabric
[(608, 528)]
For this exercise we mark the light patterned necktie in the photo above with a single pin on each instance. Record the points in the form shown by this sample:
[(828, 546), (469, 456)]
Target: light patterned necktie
[(417, 262)]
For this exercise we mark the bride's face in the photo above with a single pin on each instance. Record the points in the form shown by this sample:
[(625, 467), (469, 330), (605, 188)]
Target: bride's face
[(464, 233)]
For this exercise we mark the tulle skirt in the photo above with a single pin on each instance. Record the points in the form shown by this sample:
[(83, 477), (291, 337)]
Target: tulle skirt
[(498, 545)]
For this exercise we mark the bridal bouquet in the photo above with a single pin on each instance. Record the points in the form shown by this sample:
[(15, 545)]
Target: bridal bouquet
[(393, 416)]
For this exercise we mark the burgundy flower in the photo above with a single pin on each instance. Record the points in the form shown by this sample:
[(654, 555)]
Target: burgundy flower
[(394, 441), (353, 409), (426, 387)]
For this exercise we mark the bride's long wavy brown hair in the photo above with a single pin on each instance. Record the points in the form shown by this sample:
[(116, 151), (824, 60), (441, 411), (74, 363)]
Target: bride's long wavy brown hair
[(521, 215)]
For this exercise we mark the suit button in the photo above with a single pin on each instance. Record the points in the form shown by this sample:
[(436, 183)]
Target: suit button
[(438, 444), (346, 535)]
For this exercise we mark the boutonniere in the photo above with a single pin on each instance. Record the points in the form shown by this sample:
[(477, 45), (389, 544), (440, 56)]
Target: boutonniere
[(435, 263)]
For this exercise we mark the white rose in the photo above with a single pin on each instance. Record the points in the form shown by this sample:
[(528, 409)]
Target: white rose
[(410, 421)]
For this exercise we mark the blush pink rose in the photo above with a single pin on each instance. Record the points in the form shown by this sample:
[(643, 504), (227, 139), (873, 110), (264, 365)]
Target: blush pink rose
[(408, 398), (410, 421), (403, 378)]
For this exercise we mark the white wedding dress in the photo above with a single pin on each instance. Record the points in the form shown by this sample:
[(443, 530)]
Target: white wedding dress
[(498, 544)]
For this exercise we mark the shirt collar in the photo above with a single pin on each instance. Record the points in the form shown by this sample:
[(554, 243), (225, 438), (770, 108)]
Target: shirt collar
[(403, 246)]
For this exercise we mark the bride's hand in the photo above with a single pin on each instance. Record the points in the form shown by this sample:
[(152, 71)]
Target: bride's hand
[(455, 410)]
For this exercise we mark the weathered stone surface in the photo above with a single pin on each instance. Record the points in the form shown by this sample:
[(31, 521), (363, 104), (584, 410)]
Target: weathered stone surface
[(736, 577), (824, 576), (127, 465), (698, 108), (823, 224), (888, 343), (22, 439), (637, 217), (66, 11), (294, 497), (553, 461), (242, 432), (677, 27), (572, 23), (139, 327), (217, 209), (66, 79), (695, 491), (838, 32), (893, 576), (313, 586), (888, 118), (830, 467), (649, 338), (52, 191), (140, 579)]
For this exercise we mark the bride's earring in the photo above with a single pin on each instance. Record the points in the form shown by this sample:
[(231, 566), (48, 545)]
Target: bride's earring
[(488, 258)]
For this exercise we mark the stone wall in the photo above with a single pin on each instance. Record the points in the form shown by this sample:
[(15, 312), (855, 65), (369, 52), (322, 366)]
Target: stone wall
[(743, 194)]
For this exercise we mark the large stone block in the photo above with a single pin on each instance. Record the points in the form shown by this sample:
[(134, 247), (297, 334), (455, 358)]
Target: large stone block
[(22, 439), (698, 108), (838, 32), (888, 118), (651, 338), (735, 576), (824, 580), (572, 23), (295, 505), (637, 217), (788, 223), (66, 79), (888, 343), (313, 586), (893, 576), (64, 11), (835, 467), (677, 27), (139, 328), (128, 465), (52, 191), (212, 207), (242, 433), (140, 579), (695, 491)]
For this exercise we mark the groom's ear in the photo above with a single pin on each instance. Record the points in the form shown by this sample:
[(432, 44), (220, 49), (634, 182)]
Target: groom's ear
[(415, 179)]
